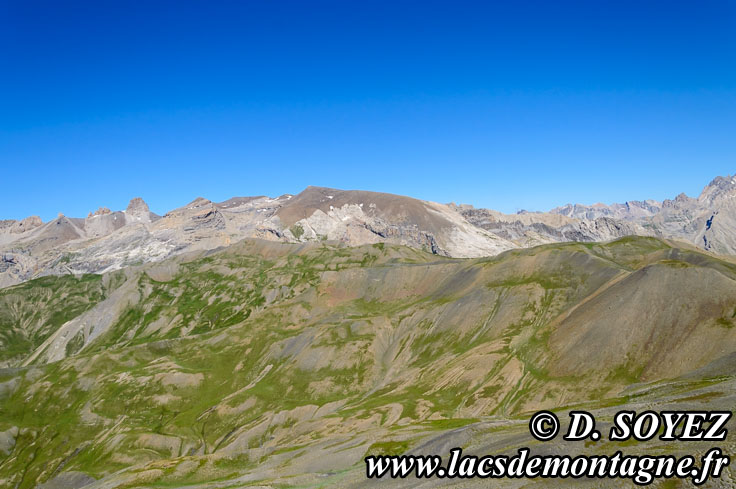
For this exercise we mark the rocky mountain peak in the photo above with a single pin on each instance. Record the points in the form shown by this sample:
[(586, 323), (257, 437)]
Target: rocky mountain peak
[(723, 182), (31, 222), (137, 211), (719, 187), (680, 202), (137, 206), (101, 211), (199, 202)]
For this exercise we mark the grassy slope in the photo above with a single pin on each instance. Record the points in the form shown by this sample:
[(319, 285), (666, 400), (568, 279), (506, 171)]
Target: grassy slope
[(243, 356), (31, 311)]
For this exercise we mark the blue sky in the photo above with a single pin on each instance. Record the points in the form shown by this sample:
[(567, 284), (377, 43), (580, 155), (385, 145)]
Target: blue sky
[(506, 105)]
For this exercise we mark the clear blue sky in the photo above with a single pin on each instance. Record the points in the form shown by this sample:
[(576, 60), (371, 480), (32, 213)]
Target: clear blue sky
[(506, 105)]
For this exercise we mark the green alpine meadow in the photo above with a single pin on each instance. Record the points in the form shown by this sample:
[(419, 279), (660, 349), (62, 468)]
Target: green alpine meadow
[(267, 364)]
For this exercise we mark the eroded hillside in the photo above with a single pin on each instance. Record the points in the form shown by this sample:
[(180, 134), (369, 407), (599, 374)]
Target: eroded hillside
[(287, 363)]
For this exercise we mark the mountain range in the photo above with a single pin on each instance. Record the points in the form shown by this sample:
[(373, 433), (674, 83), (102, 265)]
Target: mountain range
[(107, 240)]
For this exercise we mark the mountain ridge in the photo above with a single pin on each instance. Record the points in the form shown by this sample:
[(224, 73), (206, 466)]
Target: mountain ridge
[(108, 240)]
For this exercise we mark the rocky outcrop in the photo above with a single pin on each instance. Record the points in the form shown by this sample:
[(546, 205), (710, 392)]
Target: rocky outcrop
[(103, 222), (12, 226), (138, 211), (101, 211)]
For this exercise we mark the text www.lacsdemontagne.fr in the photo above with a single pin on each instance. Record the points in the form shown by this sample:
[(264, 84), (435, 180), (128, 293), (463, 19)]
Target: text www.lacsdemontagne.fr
[(641, 469)]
